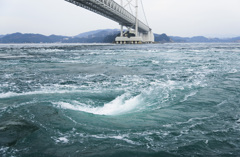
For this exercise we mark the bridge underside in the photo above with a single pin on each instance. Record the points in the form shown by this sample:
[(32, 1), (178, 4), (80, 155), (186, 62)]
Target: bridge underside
[(112, 10)]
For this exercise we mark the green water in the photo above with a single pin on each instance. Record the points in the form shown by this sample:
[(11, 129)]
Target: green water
[(120, 100)]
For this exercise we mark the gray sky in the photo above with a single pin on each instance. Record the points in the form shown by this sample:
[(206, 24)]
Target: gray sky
[(211, 18)]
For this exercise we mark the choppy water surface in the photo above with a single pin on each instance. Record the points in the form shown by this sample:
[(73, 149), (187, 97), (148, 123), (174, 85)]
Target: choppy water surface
[(120, 100)]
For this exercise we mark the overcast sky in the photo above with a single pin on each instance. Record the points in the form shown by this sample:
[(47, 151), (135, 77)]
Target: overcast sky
[(211, 18)]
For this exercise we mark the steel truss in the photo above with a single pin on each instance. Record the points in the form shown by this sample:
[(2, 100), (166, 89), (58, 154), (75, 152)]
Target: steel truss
[(112, 10)]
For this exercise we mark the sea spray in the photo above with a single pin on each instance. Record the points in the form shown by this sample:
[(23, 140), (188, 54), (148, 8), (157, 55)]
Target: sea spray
[(120, 105)]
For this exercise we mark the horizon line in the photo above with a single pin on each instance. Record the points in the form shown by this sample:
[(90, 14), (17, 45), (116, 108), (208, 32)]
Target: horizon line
[(209, 37)]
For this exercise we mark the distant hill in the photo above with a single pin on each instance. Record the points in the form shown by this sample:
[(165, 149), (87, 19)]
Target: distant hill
[(162, 38), (202, 39), (236, 39), (31, 38), (97, 36), (103, 32), (86, 34), (108, 36), (102, 36)]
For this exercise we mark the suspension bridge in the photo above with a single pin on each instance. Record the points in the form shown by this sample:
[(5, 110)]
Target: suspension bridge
[(137, 31)]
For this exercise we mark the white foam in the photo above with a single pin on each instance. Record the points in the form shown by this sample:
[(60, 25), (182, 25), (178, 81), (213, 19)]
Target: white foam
[(117, 137), (155, 62), (189, 95), (232, 71), (110, 53), (9, 94), (3, 149), (194, 119), (12, 94), (120, 105), (55, 89), (63, 140)]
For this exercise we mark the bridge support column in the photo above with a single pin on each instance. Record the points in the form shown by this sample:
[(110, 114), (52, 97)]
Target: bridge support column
[(122, 25), (136, 25), (121, 31)]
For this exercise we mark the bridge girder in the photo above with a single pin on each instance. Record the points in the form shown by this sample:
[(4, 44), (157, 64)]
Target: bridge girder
[(112, 10)]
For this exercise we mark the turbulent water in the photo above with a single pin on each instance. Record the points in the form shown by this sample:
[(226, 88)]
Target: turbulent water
[(120, 100)]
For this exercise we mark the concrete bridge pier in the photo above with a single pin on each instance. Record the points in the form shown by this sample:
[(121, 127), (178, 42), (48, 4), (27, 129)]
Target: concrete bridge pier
[(128, 38), (148, 37)]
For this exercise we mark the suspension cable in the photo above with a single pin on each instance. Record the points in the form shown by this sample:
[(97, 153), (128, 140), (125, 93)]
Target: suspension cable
[(129, 4), (144, 13)]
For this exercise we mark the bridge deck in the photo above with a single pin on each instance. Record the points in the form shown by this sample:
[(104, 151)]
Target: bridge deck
[(113, 11)]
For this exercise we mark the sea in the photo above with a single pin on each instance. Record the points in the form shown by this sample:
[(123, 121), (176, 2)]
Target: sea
[(107, 100)]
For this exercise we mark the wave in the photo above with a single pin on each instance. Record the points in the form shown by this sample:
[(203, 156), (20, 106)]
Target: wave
[(189, 95), (232, 71), (120, 105), (13, 94), (117, 137)]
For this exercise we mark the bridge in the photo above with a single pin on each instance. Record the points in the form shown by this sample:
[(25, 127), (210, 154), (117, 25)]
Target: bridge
[(110, 9)]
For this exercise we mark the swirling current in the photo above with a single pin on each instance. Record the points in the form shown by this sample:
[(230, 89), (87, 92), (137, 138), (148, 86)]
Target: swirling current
[(120, 100)]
